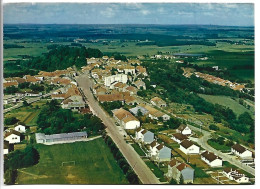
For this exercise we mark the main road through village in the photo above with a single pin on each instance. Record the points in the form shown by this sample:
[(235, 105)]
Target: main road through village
[(144, 173)]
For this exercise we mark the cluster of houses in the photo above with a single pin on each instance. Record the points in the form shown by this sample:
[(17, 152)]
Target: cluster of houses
[(177, 169), (213, 79), (13, 136), (161, 153), (116, 80), (58, 78), (71, 98)]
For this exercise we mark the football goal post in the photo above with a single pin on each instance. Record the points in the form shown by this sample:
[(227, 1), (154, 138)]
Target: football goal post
[(68, 163)]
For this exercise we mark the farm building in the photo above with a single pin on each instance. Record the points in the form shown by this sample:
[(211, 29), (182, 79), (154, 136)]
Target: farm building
[(240, 151), (60, 138), (211, 159), (188, 147), (176, 169)]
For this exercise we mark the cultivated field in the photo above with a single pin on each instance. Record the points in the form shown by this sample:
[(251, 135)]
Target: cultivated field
[(226, 101), (94, 164)]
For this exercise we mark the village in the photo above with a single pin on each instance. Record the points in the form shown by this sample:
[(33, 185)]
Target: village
[(170, 153)]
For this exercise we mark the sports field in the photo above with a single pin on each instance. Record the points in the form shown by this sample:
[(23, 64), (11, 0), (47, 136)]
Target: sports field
[(94, 164)]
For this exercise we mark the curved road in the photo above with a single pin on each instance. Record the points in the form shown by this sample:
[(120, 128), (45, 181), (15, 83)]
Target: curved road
[(203, 143), (144, 173)]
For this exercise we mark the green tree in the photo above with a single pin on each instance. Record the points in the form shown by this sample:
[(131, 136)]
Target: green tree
[(10, 120)]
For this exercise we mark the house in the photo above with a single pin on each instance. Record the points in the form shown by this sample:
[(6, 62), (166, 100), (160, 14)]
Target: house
[(74, 102), (113, 78), (144, 136), (60, 138), (156, 101), (141, 70), (126, 119), (8, 147), (184, 129), (110, 97), (9, 84), (189, 148), (128, 69), (240, 151), (20, 128), (140, 84), (178, 137), (130, 100), (211, 159), (159, 152), (137, 110), (13, 136), (154, 113), (31, 79), (176, 169), (236, 175), (132, 90)]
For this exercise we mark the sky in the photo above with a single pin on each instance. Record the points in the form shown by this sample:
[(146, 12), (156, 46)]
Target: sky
[(240, 14)]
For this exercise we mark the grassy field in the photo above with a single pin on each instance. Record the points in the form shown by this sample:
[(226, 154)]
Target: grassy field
[(226, 101), (28, 115), (219, 147), (94, 164)]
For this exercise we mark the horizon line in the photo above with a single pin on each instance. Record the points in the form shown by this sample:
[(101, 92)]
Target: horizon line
[(131, 24)]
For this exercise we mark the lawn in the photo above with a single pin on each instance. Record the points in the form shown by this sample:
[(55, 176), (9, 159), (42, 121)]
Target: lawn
[(94, 164), (157, 172), (138, 149), (226, 101)]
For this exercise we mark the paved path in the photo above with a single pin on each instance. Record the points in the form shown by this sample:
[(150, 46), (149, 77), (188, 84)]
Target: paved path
[(231, 159), (144, 173)]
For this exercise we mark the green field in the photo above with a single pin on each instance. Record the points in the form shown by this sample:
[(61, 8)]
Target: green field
[(94, 164), (220, 147), (226, 101), (27, 115)]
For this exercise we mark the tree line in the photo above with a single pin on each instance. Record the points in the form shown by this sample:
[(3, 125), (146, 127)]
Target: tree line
[(121, 161)]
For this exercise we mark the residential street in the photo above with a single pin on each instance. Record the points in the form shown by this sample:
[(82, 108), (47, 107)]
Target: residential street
[(203, 143), (144, 173)]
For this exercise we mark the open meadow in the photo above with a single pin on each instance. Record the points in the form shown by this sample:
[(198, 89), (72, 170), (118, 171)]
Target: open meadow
[(226, 101), (94, 164)]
